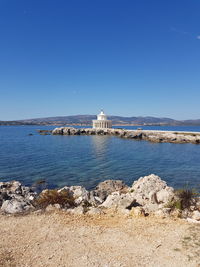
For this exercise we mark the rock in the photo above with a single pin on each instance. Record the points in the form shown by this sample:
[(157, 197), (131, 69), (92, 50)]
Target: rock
[(137, 212), (94, 200), (43, 132), (14, 190), (185, 213), (79, 193), (15, 206), (133, 135), (165, 195), (192, 220), (4, 196), (57, 206), (197, 204), (119, 201), (152, 192), (196, 215), (58, 131), (149, 135), (176, 213), (107, 187), (50, 207), (163, 213)]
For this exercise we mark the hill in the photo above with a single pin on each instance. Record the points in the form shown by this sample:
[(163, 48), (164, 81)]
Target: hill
[(87, 120)]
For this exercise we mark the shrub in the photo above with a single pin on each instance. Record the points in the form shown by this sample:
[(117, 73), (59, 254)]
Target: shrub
[(184, 199), (54, 197), (175, 204)]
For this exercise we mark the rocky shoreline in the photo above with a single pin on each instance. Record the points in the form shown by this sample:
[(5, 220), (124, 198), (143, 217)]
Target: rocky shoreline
[(147, 196), (147, 135)]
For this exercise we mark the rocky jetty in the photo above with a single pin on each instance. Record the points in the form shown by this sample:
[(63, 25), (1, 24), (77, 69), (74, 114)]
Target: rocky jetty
[(44, 132), (149, 195), (148, 135)]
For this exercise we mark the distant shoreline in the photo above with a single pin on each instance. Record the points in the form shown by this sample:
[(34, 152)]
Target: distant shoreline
[(86, 120), (89, 125)]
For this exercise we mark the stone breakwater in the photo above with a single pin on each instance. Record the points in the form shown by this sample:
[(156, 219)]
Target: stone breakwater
[(148, 135), (149, 195)]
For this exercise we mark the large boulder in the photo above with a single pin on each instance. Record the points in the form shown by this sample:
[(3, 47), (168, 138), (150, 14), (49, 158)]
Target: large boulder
[(119, 201), (152, 192), (15, 206), (104, 189)]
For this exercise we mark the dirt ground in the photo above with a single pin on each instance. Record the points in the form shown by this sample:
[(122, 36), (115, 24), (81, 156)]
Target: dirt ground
[(58, 239)]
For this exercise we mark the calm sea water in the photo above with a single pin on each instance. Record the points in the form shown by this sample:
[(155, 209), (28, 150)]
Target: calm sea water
[(87, 160)]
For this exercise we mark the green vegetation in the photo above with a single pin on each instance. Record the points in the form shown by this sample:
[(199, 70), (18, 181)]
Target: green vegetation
[(184, 198), (174, 204)]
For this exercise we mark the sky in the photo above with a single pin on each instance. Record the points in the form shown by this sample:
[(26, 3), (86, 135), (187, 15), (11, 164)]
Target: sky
[(129, 57)]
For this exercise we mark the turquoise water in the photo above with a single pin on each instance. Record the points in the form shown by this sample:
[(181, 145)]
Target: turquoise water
[(87, 160)]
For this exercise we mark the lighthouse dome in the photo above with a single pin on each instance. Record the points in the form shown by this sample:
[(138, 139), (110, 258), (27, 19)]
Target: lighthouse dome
[(102, 116)]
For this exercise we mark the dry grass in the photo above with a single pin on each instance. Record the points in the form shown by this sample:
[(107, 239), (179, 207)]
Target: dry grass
[(51, 197)]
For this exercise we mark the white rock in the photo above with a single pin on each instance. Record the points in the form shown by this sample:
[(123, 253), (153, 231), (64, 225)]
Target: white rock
[(165, 195), (94, 200), (137, 211), (117, 200), (15, 206), (80, 194), (196, 215), (50, 207), (192, 220), (151, 190), (65, 188), (162, 213)]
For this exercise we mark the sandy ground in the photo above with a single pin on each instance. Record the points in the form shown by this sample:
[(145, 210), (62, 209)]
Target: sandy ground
[(58, 239)]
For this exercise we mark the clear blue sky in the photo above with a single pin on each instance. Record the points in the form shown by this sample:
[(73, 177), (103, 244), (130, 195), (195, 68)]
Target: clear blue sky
[(130, 57)]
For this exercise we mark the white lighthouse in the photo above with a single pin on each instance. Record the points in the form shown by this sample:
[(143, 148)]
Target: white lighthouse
[(102, 121)]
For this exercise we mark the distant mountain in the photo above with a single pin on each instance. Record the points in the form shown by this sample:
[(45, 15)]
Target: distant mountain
[(87, 120)]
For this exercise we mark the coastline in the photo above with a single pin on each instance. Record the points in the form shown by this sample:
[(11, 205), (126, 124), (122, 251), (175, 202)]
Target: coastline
[(149, 195), (117, 232)]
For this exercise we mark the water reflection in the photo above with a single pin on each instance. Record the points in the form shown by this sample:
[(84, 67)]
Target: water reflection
[(100, 145)]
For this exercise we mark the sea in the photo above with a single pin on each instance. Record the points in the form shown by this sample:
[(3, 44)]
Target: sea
[(57, 160)]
